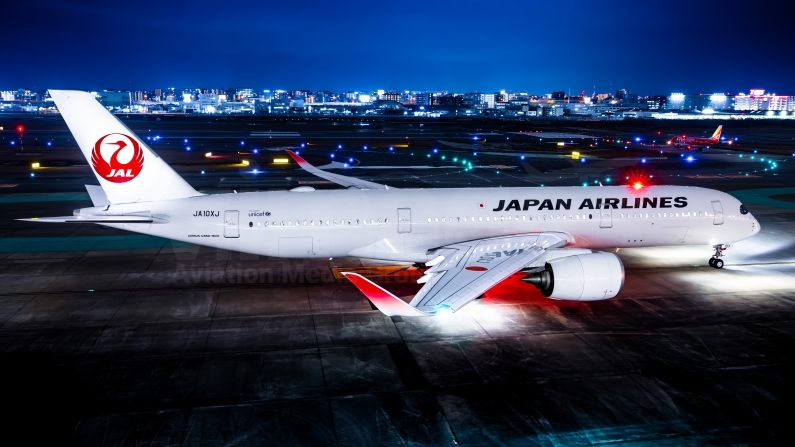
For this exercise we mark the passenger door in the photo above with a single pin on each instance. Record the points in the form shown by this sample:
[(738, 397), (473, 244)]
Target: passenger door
[(404, 220), (606, 219), (717, 208), (231, 219)]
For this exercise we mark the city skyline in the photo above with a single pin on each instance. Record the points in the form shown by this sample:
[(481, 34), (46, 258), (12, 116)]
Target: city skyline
[(415, 45)]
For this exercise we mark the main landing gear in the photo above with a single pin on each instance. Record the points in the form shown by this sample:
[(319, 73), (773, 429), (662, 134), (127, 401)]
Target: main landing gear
[(715, 261)]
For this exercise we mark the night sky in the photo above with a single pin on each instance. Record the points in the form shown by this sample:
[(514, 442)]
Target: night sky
[(648, 47)]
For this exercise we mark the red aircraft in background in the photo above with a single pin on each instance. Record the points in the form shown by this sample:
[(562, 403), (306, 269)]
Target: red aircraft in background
[(695, 142)]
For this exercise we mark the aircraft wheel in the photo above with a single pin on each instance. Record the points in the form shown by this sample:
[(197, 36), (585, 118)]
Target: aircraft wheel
[(718, 264), (712, 262)]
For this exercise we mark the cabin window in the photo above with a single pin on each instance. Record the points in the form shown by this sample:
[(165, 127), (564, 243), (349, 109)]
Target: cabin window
[(487, 218), (379, 220), (335, 221), (386, 221)]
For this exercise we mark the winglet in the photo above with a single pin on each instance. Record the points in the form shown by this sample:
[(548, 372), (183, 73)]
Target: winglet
[(385, 302), (298, 159)]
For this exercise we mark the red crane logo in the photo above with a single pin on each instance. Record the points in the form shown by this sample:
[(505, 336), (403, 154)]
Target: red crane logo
[(117, 146)]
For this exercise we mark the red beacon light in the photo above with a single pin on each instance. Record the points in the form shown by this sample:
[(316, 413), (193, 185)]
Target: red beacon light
[(637, 186)]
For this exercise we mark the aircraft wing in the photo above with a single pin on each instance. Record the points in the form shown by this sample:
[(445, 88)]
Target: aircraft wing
[(348, 182), (461, 273)]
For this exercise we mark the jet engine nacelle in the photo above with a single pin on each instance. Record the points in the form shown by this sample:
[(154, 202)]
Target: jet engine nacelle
[(584, 277)]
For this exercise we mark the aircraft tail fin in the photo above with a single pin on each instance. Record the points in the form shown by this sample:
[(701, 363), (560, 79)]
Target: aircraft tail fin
[(716, 135), (127, 169)]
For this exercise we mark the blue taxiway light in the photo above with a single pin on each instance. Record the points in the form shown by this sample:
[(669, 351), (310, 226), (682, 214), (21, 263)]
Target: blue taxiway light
[(256, 151), (332, 155), (202, 172)]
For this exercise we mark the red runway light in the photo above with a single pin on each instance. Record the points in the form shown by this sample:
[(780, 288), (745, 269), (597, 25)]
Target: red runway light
[(20, 129)]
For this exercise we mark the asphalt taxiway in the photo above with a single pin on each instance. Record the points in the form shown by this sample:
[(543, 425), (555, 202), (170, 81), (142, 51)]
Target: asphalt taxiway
[(111, 338)]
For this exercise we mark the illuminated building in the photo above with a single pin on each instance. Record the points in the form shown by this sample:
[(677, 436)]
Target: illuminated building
[(114, 99), (758, 100), (657, 102), (391, 96), (700, 102)]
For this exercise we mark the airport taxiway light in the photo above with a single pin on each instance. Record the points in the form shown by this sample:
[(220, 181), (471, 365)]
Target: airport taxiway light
[(208, 154), (560, 143), (35, 165), (574, 155), (202, 172), (245, 162), (32, 174), (20, 129), (281, 160)]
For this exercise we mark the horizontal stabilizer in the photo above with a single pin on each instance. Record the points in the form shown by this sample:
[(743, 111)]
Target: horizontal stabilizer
[(98, 196), (385, 302), (95, 219)]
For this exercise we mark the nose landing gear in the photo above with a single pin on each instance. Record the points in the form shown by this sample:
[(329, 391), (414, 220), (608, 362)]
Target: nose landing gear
[(715, 261)]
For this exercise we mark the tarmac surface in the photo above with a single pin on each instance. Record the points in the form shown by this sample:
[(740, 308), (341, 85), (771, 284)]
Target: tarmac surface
[(109, 338)]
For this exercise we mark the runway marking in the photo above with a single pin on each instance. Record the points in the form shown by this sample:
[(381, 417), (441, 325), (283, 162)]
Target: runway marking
[(54, 197), (83, 243)]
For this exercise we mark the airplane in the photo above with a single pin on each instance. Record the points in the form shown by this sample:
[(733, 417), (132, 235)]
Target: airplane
[(696, 142), (470, 238)]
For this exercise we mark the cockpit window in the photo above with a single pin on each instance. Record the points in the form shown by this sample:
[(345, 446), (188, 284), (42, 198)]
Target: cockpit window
[(743, 209)]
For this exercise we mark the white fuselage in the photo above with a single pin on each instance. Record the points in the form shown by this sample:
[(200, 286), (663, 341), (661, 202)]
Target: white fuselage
[(404, 224)]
